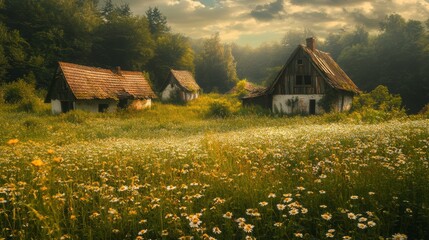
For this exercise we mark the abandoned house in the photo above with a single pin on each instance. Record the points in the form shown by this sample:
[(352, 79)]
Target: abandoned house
[(180, 86), (310, 82), (97, 90)]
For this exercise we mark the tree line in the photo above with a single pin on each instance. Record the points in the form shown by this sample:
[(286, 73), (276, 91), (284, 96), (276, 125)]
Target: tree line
[(36, 34)]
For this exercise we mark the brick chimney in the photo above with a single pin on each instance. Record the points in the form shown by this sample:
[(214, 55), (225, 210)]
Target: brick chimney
[(118, 70), (311, 43)]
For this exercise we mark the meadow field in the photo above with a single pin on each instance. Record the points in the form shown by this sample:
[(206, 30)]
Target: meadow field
[(173, 173)]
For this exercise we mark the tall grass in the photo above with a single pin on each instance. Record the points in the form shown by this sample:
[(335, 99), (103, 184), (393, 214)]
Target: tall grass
[(172, 172)]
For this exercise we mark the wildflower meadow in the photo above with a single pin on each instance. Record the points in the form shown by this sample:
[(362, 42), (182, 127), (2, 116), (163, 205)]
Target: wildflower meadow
[(94, 176)]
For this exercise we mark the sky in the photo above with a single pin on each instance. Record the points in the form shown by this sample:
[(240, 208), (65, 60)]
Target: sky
[(253, 22)]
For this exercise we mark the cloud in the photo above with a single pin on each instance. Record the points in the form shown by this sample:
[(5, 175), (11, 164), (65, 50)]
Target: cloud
[(326, 2), (266, 20), (268, 11)]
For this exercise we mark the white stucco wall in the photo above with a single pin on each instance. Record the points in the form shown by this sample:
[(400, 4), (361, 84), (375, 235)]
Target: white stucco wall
[(302, 105), (92, 105), (166, 94), (56, 106), (190, 96)]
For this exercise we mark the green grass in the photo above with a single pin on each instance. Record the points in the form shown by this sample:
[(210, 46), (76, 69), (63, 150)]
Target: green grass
[(113, 176)]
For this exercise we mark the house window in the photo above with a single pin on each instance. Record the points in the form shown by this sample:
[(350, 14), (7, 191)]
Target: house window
[(102, 107), (171, 85), (302, 80), (299, 80), (307, 80), (299, 61)]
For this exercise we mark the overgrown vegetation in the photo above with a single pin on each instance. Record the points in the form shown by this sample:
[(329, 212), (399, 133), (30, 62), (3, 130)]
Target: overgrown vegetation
[(154, 174)]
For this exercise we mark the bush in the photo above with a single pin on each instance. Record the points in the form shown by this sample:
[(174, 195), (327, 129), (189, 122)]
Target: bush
[(76, 116), (220, 108), (378, 99), (16, 92)]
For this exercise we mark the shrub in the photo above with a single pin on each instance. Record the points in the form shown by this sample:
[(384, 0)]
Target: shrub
[(16, 92), (220, 108), (379, 99), (76, 116)]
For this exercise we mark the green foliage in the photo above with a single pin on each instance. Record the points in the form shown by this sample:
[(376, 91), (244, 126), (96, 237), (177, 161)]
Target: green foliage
[(76, 116), (223, 107), (378, 99), (215, 66), (17, 91), (157, 22), (240, 89), (172, 51)]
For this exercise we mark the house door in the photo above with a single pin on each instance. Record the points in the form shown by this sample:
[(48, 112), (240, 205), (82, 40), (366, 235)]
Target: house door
[(66, 106), (312, 107)]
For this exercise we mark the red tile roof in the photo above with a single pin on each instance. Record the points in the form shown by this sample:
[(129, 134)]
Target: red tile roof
[(98, 83)]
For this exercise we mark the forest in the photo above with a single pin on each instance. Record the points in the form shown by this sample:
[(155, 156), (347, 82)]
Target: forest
[(35, 35)]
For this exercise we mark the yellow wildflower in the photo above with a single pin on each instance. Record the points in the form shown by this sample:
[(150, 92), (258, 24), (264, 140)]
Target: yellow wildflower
[(13, 141), (37, 162)]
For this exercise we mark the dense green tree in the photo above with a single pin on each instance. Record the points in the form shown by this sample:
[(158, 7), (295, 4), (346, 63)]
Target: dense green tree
[(172, 51), (157, 22), (55, 30), (214, 66), (13, 55), (123, 41)]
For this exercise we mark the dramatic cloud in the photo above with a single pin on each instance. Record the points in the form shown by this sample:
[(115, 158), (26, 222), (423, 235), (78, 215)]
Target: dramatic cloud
[(257, 21), (268, 11)]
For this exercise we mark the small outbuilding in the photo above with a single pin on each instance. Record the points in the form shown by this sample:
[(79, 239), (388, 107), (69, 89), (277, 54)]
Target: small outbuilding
[(180, 86), (97, 90), (310, 82)]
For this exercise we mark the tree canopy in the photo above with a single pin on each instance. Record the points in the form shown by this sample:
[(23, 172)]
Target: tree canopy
[(36, 34)]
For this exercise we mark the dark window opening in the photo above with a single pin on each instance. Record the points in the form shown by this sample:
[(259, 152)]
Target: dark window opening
[(307, 80), (303, 80), (102, 107), (171, 85), (299, 80), (66, 106), (299, 61)]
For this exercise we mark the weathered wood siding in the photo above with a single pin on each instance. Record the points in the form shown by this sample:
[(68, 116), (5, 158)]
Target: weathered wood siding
[(61, 90), (287, 82)]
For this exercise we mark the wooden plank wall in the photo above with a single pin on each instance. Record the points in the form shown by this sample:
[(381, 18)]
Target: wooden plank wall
[(286, 83)]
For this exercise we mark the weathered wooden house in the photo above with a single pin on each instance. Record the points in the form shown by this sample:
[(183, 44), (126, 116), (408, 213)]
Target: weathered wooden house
[(180, 85), (310, 82), (97, 90)]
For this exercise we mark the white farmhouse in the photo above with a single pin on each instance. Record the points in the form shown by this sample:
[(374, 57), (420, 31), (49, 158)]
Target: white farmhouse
[(310, 82), (180, 86), (97, 90)]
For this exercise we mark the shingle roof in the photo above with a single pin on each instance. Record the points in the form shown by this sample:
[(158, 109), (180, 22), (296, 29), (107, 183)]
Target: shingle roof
[(97, 83), (332, 72), (185, 80)]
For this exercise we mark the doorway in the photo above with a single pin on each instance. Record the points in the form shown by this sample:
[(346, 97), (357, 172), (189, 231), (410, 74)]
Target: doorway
[(312, 107), (66, 106)]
